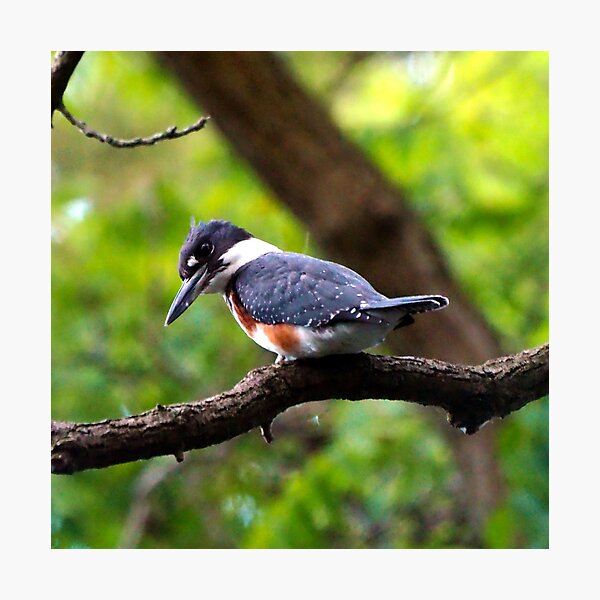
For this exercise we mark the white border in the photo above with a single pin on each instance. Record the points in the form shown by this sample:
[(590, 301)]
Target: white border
[(570, 35)]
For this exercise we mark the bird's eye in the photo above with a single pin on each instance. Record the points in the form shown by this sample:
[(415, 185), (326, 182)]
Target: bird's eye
[(205, 249)]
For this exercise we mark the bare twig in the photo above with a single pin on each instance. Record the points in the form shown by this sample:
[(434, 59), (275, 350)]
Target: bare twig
[(62, 69), (471, 395), (170, 133)]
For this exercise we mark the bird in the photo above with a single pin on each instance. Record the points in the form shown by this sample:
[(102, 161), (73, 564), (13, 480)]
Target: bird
[(291, 304)]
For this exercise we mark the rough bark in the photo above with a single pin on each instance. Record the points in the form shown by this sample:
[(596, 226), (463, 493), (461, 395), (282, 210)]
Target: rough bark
[(357, 217), (470, 395), (62, 68)]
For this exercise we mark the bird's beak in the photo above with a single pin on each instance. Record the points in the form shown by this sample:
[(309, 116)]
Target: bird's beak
[(190, 289)]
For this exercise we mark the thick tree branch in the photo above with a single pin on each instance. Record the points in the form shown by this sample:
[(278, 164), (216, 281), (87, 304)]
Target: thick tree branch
[(62, 68), (471, 395)]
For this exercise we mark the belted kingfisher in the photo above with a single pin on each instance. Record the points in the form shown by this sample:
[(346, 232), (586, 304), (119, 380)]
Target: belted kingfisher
[(292, 304)]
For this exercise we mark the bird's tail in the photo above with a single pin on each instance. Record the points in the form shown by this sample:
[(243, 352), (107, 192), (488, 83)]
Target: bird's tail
[(401, 310), (410, 304)]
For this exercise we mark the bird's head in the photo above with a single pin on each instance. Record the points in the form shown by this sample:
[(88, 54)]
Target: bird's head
[(211, 254)]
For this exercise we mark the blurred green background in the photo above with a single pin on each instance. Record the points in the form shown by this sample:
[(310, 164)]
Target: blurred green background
[(465, 133)]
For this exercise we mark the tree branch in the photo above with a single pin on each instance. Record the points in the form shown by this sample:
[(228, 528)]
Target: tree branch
[(171, 133), (62, 68), (471, 395)]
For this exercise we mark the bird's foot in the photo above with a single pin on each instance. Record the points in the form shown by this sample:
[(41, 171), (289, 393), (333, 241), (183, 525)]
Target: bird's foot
[(284, 359)]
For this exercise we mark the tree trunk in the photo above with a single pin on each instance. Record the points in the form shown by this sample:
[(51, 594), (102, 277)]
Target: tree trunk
[(357, 217)]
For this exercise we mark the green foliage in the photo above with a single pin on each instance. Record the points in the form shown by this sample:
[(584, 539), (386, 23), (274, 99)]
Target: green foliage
[(465, 133), (374, 485)]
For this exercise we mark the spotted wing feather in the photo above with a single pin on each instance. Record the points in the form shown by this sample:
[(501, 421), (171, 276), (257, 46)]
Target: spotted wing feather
[(284, 287)]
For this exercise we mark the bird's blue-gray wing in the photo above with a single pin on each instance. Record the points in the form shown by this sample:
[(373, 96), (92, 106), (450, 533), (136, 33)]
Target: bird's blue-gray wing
[(284, 287)]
